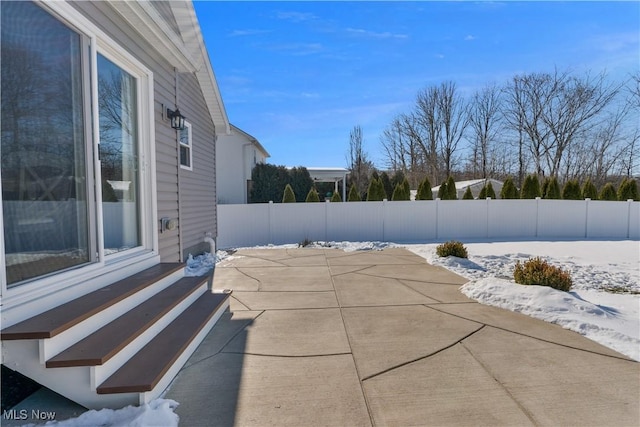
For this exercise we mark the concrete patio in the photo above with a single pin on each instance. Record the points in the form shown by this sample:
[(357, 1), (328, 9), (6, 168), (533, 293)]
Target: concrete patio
[(324, 337)]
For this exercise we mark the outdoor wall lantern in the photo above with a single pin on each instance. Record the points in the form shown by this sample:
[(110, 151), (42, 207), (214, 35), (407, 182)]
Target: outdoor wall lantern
[(177, 119)]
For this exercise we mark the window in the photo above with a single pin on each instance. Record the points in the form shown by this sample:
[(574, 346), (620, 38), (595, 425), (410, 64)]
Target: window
[(67, 89), (185, 147)]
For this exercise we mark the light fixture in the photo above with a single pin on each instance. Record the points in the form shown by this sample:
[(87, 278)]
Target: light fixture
[(177, 119)]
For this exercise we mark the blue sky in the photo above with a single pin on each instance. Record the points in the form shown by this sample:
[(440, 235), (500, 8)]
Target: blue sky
[(300, 75)]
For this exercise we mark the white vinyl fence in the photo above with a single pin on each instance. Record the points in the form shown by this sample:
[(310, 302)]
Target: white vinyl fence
[(420, 221)]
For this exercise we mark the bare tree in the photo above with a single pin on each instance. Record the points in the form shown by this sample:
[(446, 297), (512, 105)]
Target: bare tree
[(396, 146), (484, 122), (572, 106), (452, 112), (358, 161), (513, 111), (426, 121)]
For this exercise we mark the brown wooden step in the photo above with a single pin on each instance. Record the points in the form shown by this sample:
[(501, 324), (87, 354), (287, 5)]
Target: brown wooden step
[(147, 367), (107, 341), (59, 319)]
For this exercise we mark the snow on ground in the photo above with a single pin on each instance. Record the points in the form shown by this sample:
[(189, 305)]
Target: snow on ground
[(158, 412), (604, 304)]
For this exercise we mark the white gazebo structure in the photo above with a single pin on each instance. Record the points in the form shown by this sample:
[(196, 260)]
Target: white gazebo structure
[(334, 175)]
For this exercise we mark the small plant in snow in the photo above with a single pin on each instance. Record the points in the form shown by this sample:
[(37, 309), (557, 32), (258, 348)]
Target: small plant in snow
[(452, 248), (537, 271), (306, 242)]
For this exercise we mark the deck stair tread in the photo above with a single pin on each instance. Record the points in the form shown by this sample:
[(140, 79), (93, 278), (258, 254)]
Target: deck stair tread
[(58, 319), (100, 346), (143, 371)]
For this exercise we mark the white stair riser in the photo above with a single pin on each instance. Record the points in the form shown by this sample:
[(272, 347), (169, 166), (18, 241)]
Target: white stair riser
[(101, 372), (182, 359), (79, 383), (73, 383), (52, 346)]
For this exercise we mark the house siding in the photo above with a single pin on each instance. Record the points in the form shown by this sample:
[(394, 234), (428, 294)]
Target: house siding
[(193, 107), (231, 174), (164, 9), (234, 163), (197, 186)]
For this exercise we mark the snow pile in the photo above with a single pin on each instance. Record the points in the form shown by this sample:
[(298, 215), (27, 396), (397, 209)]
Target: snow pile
[(597, 268), (203, 264), (353, 246), (158, 412)]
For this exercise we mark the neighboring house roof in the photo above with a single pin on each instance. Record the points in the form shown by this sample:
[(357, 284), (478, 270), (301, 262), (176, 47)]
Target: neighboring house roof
[(328, 174), (186, 50), (253, 140), (462, 185)]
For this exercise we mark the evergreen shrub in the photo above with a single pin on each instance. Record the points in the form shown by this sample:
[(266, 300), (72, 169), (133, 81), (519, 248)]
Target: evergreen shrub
[(451, 189), (424, 190), (452, 248), (551, 189), (608, 193), (312, 196), (388, 186), (537, 271), (335, 197), (530, 187), (467, 194), (487, 191), (353, 194), (288, 196), (589, 190), (509, 190), (443, 194), (628, 190), (571, 190), (375, 193)]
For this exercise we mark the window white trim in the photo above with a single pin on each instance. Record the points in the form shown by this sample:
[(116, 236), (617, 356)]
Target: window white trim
[(188, 146), (52, 290)]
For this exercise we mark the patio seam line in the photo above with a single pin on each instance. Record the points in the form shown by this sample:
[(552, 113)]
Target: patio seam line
[(538, 338), (437, 301), (302, 256), (436, 283), (423, 357), (265, 259), (349, 272), (528, 414), (246, 275), (286, 356), (241, 303), (296, 308), (353, 359), (222, 347), (395, 278), (300, 292), (417, 304)]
